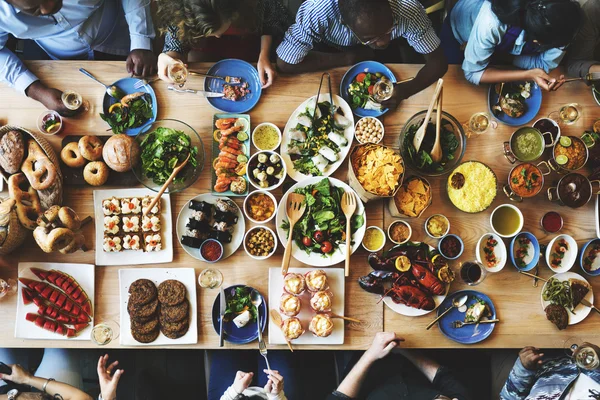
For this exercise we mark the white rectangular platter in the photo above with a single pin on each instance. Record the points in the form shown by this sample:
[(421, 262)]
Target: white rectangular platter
[(83, 273), (187, 276), (335, 277), (132, 257)]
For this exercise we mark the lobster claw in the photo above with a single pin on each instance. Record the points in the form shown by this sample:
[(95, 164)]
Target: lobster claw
[(373, 283)]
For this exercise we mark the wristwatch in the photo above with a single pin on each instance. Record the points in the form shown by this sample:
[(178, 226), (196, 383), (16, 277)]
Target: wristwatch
[(12, 394)]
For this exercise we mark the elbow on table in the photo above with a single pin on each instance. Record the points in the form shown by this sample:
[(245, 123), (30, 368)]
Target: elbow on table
[(285, 67), (473, 77)]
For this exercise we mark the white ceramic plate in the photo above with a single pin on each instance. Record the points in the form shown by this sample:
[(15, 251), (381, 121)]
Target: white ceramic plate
[(292, 122), (187, 276), (581, 311), (335, 277), (237, 234), (84, 275), (570, 255), (132, 257), (314, 259), (499, 251)]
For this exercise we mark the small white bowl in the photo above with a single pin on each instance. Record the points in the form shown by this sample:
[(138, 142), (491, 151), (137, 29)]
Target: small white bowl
[(399, 221), (271, 125), (570, 255), (427, 230), (382, 234), (499, 251), (254, 160), (378, 122), (274, 241), (246, 203), (522, 219)]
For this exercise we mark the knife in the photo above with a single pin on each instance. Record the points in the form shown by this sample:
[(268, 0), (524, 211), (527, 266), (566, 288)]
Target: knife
[(222, 312), (200, 92), (588, 304)]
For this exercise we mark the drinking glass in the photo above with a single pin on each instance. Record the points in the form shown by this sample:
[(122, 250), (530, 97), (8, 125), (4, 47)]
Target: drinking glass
[(74, 101), (586, 355), (7, 287), (383, 90), (178, 73), (479, 123), (210, 278), (472, 273), (567, 114), (105, 332)]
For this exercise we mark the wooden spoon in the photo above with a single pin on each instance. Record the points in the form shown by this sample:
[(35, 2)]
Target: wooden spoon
[(277, 319), (334, 315), (348, 208), (164, 187), (420, 134), (436, 151), (295, 206)]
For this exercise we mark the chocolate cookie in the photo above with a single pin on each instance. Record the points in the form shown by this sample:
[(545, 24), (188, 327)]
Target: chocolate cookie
[(171, 292), (144, 311), (176, 334), (175, 313), (145, 338), (141, 292), (144, 328), (173, 327)]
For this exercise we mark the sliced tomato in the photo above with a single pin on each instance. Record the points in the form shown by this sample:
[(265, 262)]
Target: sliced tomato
[(361, 77), (371, 89)]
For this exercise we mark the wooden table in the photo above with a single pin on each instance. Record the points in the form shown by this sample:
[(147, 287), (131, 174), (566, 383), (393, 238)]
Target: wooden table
[(517, 302)]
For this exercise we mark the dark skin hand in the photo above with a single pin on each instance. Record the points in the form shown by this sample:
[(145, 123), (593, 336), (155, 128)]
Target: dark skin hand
[(435, 67), (141, 63), (50, 98), (531, 358)]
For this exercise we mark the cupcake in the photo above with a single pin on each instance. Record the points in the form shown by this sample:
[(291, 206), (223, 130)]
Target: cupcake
[(321, 325), (321, 301), (292, 328), (294, 284), (289, 305), (316, 280)]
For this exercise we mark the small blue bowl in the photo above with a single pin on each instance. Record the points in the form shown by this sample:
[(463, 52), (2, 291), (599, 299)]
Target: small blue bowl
[(203, 244), (536, 251), (583, 254), (462, 247), (365, 66)]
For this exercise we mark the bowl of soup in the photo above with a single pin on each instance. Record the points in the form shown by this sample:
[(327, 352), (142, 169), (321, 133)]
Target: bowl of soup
[(266, 136), (525, 180), (525, 144), (506, 220)]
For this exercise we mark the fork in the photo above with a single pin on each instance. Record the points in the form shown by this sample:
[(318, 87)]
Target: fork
[(348, 207), (143, 82), (460, 324), (232, 80), (262, 347)]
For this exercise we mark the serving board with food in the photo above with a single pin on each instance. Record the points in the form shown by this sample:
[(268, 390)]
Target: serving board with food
[(158, 306), (55, 301), (230, 154)]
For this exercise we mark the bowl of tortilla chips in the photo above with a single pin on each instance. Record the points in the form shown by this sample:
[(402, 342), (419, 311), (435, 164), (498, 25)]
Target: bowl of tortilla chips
[(375, 171), (412, 199)]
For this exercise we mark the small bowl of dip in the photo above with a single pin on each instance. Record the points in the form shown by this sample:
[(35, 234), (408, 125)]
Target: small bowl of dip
[(399, 232), (374, 239), (437, 226), (451, 247), (266, 136), (211, 250)]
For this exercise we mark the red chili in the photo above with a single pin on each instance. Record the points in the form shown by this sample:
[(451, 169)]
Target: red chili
[(211, 251)]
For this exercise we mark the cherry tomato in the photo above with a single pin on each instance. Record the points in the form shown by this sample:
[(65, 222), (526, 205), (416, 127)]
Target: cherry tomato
[(361, 77), (326, 247), (370, 89), (318, 236), (306, 241)]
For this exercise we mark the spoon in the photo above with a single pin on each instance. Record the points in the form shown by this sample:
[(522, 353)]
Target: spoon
[(456, 302), (496, 109), (256, 300), (112, 91), (164, 187), (436, 150), (420, 134)]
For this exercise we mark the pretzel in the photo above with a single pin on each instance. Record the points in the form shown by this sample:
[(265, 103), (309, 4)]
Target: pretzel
[(28, 202), (38, 168), (77, 243), (55, 240)]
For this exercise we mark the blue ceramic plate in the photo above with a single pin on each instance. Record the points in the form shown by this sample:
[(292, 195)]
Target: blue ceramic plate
[(584, 254), (467, 334), (232, 333), (126, 85), (532, 104), (238, 68), (365, 66), (536, 251)]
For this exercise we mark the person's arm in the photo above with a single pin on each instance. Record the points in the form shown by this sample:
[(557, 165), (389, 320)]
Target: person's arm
[(141, 60), (266, 72), (240, 383), (108, 380), (54, 388), (580, 55), (383, 343), (522, 377)]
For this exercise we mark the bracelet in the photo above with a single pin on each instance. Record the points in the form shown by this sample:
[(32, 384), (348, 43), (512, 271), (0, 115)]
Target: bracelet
[(46, 384)]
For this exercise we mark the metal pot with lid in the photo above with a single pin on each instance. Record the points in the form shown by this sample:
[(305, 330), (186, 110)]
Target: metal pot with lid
[(573, 190)]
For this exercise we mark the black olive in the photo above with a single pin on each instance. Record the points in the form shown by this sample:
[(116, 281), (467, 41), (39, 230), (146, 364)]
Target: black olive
[(262, 167)]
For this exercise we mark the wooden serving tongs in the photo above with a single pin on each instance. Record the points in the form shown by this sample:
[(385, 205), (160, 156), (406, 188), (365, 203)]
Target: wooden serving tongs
[(420, 134), (164, 187), (276, 317), (436, 150), (294, 208)]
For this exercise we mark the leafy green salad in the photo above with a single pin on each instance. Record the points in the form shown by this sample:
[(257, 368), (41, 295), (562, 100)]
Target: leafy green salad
[(129, 113), (322, 228), (361, 91), (422, 159), (238, 301), (162, 149)]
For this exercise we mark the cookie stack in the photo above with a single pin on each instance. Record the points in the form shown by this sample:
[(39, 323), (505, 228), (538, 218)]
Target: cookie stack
[(153, 310)]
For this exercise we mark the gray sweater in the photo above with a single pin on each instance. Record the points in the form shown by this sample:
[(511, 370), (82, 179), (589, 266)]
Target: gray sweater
[(585, 49)]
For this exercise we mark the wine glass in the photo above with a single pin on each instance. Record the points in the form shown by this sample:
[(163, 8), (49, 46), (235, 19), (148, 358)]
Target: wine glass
[(74, 101), (178, 73), (586, 355), (567, 114), (210, 278), (480, 123), (105, 332), (7, 287)]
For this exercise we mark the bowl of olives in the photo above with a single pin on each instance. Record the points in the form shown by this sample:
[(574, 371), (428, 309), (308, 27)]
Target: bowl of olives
[(266, 170)]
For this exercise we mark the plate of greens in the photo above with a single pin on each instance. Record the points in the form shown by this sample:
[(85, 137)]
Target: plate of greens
[(163, 145), (317, 146), (357, 87), (238, 302), (134, 111), (319, 236)]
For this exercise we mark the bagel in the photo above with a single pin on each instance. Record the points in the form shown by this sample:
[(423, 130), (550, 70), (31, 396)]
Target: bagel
[(56, 239), (57, 216), (38, 168), (27, 200), (90, 147), (76, 244), (71, 156), (121, 152), (96, 173)]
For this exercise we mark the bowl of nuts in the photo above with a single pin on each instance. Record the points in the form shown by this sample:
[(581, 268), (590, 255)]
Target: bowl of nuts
[(260, 242), (369, 130)]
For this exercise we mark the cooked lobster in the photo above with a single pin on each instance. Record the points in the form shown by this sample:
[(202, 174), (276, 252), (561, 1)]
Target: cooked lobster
[(373, 283), (427, 279), (412, 297)]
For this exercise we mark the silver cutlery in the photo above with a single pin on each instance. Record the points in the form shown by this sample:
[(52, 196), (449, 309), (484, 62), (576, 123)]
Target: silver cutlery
[(460, 324), (143, 82), (112, 91), (222, 313), (256, 299), (228, 79), (193, 91), (456, 303)]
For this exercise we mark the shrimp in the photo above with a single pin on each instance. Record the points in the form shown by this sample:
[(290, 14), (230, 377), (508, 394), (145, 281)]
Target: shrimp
[(231, 130), (222, 184), (225, 123), (224, 155), (226, 163), (227, 149), (130, 97)]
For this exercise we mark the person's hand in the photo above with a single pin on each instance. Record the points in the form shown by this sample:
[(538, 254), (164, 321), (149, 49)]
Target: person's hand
[(383, 343), (51, 98), (266, 72), (275, 383), (557, 83), (141, 63), (19, 375), (164, 62), (531, 358), (108, 380), (242, 381), (542, 79), (399, 94)]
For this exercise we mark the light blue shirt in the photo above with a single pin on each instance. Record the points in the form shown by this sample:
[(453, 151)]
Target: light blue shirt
[(79, 28), (473, 22)]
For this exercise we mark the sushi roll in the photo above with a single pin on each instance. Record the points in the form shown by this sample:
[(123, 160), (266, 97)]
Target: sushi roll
[(202, 226), (328, 153), (224, 205), (320, 162), (227, 217), (200, 206), (337, 139), (221, 226), (191, 242), (200, 216), (298, 136), (223, 237)]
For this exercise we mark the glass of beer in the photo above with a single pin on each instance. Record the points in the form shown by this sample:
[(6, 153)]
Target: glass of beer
[(472, 273)]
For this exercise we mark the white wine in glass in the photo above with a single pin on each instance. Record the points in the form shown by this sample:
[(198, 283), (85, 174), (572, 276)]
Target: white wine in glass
[(72, 100), (210, 278), (569, 113), (586, 356), (480, 122), (383, 90), (104, 333), (178, 73)]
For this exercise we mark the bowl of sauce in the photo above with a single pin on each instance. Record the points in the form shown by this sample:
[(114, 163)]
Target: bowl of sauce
[(548, 125), (451, 247), (266, 136), (211, 250), (526, 144), (506, 220), (525, 180), (374, 239), (399, 232), (552, 222)]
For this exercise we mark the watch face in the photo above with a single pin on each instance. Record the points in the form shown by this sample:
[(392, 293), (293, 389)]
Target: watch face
[(13, 392)]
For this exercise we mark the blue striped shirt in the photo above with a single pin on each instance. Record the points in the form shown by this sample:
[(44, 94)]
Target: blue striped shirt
[(320, 21)]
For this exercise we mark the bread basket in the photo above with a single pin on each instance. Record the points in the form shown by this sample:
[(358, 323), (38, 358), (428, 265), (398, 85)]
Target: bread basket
[(16, 233)]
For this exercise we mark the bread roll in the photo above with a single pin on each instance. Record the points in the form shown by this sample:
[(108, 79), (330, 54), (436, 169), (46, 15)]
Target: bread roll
[(121, 152), (12, 152)]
